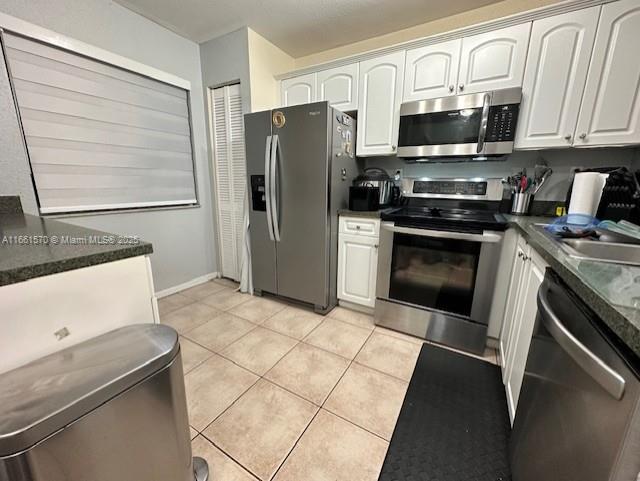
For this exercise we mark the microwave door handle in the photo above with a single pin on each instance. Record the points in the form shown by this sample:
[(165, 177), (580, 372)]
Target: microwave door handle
[(275, 150), (483, 123), (441, 234), (610, 380), (267, 184)]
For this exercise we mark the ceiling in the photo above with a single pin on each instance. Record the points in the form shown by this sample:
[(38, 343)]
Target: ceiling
[(299, 27)]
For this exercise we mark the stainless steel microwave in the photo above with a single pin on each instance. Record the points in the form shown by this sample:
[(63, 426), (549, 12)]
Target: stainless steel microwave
[(472, 125)]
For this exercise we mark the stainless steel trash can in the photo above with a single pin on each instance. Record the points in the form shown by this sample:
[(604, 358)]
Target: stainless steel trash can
[(112, 408)]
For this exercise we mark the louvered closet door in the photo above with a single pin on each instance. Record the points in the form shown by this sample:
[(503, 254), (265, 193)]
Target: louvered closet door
[(230, 175)]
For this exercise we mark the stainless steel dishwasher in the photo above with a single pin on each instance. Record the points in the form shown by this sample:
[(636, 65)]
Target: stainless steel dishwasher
[(578, 417), (111, 408)]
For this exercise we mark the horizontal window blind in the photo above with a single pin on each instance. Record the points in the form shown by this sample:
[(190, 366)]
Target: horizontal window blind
[(100, 137)]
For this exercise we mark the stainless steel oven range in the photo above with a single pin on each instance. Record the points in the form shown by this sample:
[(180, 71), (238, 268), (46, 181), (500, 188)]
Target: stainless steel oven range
[(438, 259)]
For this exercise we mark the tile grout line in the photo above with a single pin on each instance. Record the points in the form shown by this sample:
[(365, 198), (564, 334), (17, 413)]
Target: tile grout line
[(242, 466), (260, 377), (263, 376), (255, 326), (295, 444), (357, 425), (228, 311), (319, 409), (229, 406), (385, 373)]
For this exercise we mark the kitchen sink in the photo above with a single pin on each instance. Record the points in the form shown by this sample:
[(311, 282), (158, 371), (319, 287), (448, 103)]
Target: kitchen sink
[(604, 251), (595, 250)]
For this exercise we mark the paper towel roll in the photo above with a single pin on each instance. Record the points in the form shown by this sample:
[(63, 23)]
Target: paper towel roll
[(586, 192)]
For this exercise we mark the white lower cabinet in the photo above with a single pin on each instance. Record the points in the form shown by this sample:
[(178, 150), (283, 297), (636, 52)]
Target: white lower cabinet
[(358, 260), (519, 320), (49, 313)]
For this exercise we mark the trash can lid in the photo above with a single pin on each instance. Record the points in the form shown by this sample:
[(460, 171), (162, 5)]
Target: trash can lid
[(41, 397)]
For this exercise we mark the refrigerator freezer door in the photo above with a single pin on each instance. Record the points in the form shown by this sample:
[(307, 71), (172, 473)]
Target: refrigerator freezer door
[(257, 128), (302, 179)]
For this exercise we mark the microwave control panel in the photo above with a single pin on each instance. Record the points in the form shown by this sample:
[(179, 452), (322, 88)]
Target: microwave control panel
[(501, 124)]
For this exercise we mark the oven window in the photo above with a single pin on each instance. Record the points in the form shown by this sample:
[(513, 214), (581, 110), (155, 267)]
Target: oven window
[(434, 273), (439, 128)]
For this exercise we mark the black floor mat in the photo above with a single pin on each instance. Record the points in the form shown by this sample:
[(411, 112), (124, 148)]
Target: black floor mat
[(454, 424)]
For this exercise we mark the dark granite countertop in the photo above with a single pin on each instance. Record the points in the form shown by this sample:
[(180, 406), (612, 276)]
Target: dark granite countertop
[(610, 290), (32, 246)]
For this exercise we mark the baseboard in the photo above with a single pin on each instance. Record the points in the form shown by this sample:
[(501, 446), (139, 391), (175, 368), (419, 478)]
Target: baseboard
[(185, 285), (355, 307)]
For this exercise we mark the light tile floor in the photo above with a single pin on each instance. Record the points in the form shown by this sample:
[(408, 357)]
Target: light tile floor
[(277, 392)]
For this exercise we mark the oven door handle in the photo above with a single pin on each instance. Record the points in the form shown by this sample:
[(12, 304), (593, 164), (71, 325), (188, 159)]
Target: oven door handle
[(483, 122), (486, 236)]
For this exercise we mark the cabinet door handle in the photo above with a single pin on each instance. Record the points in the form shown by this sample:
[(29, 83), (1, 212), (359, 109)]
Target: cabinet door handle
[(461, 87), (375, 246), (451, 88), (393, 147), (567, 137), (583, 136)]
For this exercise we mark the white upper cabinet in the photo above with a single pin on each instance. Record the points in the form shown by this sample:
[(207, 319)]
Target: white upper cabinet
[(339, 86), (610, 109), (432, 71), (298, 90), (554, 79), (493, 60), (380, 95)]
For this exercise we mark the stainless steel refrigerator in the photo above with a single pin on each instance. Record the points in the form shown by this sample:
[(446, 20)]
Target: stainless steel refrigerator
[(300, 164)]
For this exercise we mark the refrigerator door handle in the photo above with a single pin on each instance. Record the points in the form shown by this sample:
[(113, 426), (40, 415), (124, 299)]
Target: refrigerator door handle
[(267, 184), (273, 191)]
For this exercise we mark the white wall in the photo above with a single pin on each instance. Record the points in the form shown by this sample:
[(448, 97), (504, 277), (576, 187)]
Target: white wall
[(265, 61), (465, 19), (225, 60), (183, 239)]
